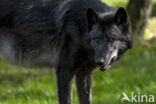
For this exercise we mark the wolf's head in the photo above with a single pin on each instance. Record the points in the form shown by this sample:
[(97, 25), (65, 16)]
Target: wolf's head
[(110, 36)]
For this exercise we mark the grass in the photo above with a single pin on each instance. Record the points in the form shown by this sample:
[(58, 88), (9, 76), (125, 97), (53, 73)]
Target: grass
[(135, 72)]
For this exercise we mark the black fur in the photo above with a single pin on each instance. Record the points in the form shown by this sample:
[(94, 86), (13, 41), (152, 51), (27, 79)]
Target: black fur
[(73, 36)]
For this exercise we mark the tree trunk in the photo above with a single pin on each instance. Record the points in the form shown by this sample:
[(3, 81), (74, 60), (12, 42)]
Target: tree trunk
[(139, 12)]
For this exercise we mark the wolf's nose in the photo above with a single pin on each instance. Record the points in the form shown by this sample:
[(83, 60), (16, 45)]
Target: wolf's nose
[(100, 62)]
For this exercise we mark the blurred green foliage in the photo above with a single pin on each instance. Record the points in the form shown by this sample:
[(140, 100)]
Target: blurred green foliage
[(150, 31), (116, 3), (119, 3)]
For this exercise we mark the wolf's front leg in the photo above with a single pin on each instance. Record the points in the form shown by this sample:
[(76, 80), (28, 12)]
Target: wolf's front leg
[(84, 84), (64, 83)]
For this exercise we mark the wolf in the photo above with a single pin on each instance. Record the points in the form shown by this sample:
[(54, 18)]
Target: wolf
[(72, 36)]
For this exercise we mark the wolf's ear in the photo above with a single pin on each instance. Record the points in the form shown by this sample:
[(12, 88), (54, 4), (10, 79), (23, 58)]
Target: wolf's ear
[(92, 17), (121, 17)]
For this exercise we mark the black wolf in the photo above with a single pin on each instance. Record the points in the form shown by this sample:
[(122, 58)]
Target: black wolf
[(73, 36)]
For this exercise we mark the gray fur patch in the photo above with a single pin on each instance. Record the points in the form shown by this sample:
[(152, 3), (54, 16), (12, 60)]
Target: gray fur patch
[(6, 48)]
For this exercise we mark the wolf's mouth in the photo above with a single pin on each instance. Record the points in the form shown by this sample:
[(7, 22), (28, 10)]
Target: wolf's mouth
[(106, 67)]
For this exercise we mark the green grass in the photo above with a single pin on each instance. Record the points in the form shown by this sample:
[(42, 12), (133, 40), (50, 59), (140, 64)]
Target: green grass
[(135, 72)]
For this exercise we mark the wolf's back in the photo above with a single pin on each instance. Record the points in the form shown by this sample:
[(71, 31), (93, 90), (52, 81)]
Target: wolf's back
[(16, 12)]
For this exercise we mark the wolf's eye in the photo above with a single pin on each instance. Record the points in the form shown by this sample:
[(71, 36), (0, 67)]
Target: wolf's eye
[(96, 39), (110, 39)]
